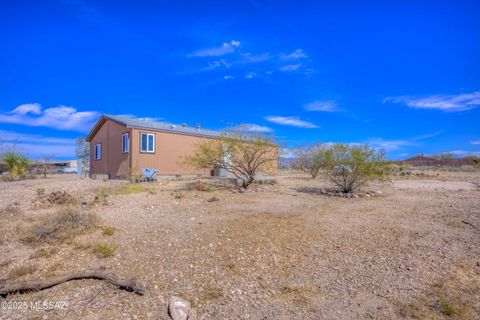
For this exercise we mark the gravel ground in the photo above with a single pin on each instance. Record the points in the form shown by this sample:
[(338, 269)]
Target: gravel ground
[(275, 253)]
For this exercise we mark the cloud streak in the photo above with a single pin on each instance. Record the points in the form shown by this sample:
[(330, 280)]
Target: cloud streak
[(60, 117), (36, 145), (291, 67), (446, 103), (295, 55), (250, 127), (290, 121), (323, 106), (225, 48), (391, 145)]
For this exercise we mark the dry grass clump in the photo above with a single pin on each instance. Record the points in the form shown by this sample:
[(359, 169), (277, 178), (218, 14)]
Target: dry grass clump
[(104, 192), (446, 307), (44, 253), (108, 231), (61, 197), (104, 250), (11, 210), (178, 195), (64, 224), (101, 249), (21, 271)]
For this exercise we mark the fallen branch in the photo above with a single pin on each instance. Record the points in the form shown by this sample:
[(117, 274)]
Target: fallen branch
[(99, 274), (469, 224)]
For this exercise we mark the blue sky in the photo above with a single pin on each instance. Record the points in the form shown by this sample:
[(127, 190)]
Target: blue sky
[(401, 75)]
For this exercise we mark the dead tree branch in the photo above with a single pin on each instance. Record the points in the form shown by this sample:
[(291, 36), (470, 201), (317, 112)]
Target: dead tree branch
[(99, 274)]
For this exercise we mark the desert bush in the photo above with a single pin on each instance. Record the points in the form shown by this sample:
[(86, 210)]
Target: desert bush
[(104, 250), (350, 167), (241, 157), (17, 164), (64, 224), (41, 194)]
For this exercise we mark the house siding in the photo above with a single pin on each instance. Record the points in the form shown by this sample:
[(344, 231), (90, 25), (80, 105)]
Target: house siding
[(113, 162), (170, 152)]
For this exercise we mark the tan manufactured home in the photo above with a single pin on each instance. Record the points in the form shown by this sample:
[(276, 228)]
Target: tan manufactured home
[(120, 146)]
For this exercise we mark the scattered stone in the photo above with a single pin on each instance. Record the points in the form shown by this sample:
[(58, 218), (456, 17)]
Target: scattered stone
[(178, 308), (213, 199)]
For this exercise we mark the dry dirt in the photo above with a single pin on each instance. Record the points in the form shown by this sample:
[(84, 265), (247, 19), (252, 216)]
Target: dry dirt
[(276, 253)]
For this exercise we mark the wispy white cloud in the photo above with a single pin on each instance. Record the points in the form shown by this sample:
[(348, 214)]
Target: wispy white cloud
[(250, 75), (12, 137), (291, 121), (476, 142), (37, 145), (390, 145), (295, 55), (447, 103), (325, 106), (220, 63), (250, 127), (60, 117), (396, 144), (291, 67), (151, 119), (248, 57), (427, 136), (464, 153), (228, 77), (225, 48)]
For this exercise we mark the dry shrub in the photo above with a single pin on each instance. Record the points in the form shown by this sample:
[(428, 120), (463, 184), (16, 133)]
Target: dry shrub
[(44, 253), (64, 224), (21, 271), (10, 210), (61, 197)]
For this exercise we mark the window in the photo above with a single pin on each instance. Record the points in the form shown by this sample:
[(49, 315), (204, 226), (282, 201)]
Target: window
[(147, 142), (98, 151), (125, 142)]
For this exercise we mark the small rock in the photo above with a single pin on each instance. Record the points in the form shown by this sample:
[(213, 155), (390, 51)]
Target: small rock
[(213, 199), (178, 308)]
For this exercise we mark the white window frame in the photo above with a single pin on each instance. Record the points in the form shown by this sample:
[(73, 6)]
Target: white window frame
[(97, 155), (153, 145), (125, 144)]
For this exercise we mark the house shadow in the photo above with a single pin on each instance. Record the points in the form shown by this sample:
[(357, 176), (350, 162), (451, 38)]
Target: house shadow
[(314, 190)]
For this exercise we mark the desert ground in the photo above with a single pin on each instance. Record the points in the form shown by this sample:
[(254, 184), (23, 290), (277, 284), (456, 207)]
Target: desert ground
[(280, 251)]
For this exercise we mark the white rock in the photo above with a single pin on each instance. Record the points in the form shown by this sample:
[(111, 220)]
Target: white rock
[(178, 308)]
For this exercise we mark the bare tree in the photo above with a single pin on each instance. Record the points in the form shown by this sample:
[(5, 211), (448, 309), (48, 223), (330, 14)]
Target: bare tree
[(308, 159), (47, 164), (82, 151), (242, 157)]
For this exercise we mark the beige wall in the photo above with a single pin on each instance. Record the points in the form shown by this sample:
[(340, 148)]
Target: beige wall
[(170, 150), (113, 162)]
